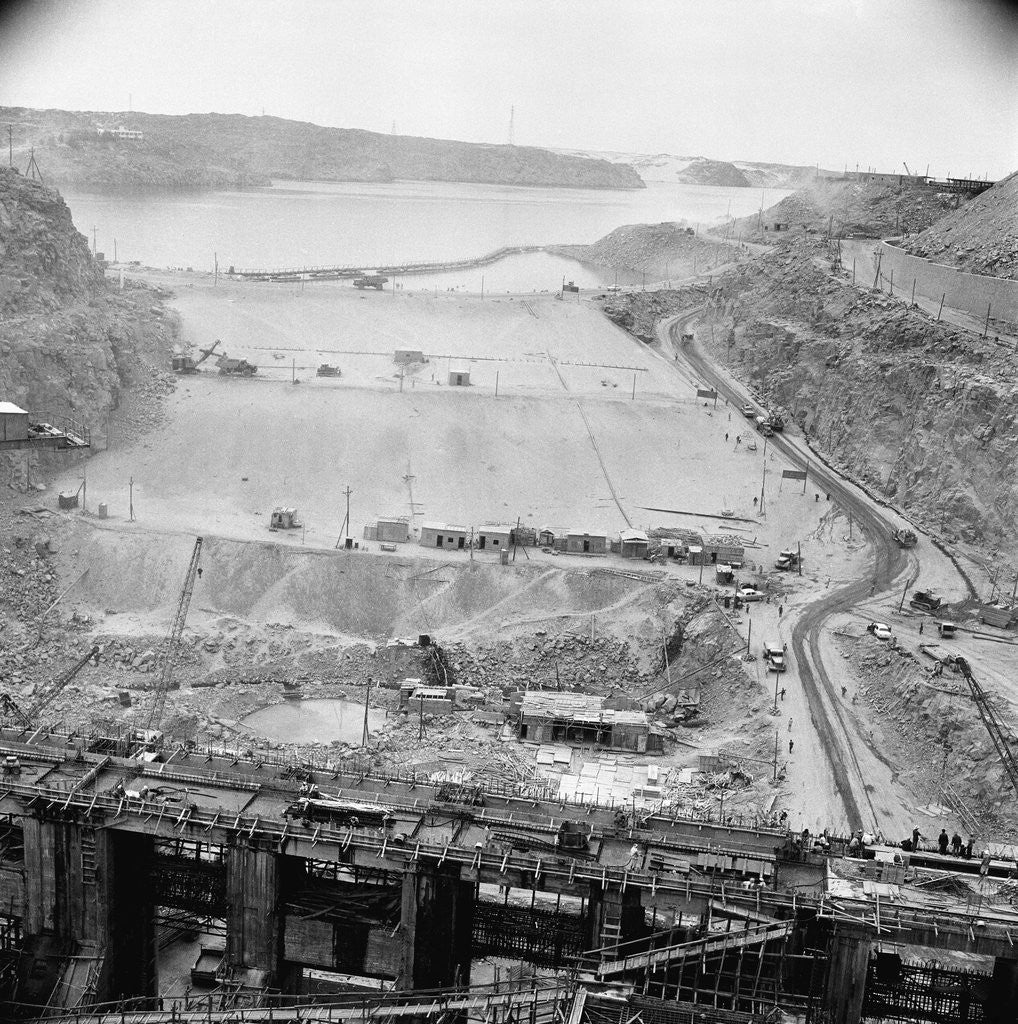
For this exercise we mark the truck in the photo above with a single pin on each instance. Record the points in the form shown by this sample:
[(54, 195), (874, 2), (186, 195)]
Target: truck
[(776, 422), (904, 538), (788, 559), (236, 367), (325, 370), (925, 600), (774, 656), (370, 281), (763, 424)]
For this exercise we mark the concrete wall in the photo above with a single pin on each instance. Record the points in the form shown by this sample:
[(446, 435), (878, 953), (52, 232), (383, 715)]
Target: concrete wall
[(968, 292)]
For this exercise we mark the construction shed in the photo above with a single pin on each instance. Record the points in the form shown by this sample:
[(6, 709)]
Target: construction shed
[(13, 422), (459, 378), (633, 544), (553, 717), (390, 529), (493, 537), (675, 541), (442, 535), (429, 700), (722, 547), (586, 542), (405, 356)]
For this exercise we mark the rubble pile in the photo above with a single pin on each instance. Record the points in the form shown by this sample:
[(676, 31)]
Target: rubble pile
[(933, 730), (848, 208), (661, 250), (980, 237)]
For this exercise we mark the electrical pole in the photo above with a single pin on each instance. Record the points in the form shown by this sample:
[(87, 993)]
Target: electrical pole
[(10, 145), (131, 498), (347, 492), (93, 240)]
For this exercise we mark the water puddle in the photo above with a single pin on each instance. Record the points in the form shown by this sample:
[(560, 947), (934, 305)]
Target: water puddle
[(314, 721)]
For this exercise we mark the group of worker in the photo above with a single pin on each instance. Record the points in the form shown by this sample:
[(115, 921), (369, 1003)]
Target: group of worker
[(952, 845)]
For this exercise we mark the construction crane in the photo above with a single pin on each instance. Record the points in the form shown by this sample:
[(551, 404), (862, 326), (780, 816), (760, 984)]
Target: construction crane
[(990, 720), (8, 705), (206, 352), (155, 717)]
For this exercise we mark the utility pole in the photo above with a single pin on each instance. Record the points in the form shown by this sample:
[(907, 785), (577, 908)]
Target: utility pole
[(131, 498), (10, 145), (93, 240), (215, 259), (347, 492), (777, 676), (901, 603)]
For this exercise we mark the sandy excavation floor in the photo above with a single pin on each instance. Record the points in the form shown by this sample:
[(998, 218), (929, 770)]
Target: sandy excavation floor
[(231, 448), (474, 458)]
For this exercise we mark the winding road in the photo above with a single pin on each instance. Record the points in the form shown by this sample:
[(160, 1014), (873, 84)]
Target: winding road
[(839, 733)]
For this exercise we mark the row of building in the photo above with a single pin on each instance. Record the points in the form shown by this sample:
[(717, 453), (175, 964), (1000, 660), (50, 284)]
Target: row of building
[(690, 545)]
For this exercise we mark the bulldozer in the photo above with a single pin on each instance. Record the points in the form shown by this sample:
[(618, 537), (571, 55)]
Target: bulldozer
[(370, 281), (925, 600)]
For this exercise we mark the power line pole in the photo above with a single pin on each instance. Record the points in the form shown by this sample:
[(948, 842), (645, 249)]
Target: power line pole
[(10, 145)]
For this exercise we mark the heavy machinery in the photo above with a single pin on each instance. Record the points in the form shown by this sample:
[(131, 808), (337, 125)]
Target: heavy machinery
[(788, 559), (188, 364), (325, 370), (285, 519), (776, 422), (236, 367), (29, 717), (925, 600), (997, 733), (904, 538), (370, 281), (151, 735)]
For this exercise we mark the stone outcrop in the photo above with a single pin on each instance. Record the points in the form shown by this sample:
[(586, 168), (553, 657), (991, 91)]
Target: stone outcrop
[(69, 344)]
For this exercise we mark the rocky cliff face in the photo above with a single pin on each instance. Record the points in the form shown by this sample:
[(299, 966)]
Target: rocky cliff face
[(69, 344), (925, 413), (981, 236), (219, 150)]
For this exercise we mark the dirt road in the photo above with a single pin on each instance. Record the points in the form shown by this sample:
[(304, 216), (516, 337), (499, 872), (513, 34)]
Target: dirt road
[(857, 771)]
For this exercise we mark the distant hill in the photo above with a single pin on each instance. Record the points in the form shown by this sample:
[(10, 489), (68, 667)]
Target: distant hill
[(225, 150), (701, 170), (981, 236)]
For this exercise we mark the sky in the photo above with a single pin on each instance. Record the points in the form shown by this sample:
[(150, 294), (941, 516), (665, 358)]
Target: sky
[(841, 83)]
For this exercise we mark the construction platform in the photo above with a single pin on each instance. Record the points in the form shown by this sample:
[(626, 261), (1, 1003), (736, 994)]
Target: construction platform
[(20, 431)]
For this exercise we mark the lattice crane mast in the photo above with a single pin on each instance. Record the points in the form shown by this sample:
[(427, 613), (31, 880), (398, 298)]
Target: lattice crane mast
[(27, 718), (990, 720), (173, 640)]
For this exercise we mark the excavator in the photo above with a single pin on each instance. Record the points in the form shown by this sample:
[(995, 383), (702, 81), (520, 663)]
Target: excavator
[(187, 364), (30, 716)]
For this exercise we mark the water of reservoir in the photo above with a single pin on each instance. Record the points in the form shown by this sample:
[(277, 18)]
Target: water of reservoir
[(298, 224), (314, 721)]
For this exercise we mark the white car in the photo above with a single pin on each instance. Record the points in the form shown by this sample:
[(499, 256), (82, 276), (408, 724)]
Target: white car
[(880, 630), (750, 594)]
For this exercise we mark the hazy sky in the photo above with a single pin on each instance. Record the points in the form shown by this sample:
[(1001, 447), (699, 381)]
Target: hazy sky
[(838, 82)]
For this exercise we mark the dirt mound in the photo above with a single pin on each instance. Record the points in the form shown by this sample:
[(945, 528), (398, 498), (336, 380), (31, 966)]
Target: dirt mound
[(981, 236), (661, 250), (847, 208)]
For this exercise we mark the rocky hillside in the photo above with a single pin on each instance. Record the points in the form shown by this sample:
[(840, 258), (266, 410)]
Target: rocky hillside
[(981, 236), (849, 208), (925, 413), (218, 150), (69, 344)]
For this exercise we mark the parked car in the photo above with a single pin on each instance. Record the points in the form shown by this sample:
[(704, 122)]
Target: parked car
[(751, 594), (749, 411), (880, 630)]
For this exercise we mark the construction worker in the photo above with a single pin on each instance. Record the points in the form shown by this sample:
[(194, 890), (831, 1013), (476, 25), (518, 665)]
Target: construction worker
[(942, 841), (782, 693), (921, 624), (791, 745), (789, 725)]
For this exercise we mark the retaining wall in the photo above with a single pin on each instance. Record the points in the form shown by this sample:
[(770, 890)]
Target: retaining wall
[(972, 293)]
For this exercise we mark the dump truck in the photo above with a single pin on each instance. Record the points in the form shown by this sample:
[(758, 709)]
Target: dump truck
[(776, 422), (763, 424), (904, 538), (925, 600), (788, 559), (236, 367), (774, 656), (370, 281)]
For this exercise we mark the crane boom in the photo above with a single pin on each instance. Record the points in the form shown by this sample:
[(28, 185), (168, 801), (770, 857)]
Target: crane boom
[(58, 684), (990, 720), (173, 640), (206, 352)]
